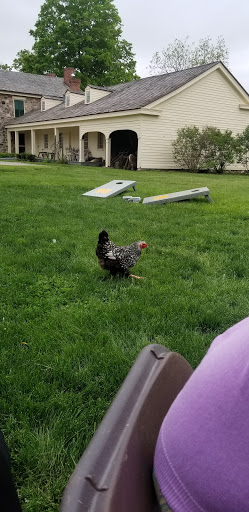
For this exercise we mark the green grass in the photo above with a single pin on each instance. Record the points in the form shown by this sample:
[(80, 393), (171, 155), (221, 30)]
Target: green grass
[(69, 335)]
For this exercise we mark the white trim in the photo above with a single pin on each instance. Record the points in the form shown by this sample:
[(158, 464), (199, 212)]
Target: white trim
[(78, 120), (21, 98), (67, 99), (10, 93), (88, 96)]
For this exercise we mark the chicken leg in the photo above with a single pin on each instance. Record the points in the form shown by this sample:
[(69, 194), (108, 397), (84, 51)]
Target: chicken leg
[(136, 277)]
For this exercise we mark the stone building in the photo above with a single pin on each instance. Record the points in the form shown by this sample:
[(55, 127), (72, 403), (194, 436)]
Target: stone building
[(21, 93)]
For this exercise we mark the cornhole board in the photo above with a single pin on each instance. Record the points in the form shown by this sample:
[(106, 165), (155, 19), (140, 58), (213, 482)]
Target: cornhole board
[(111, 189), (179, 196)]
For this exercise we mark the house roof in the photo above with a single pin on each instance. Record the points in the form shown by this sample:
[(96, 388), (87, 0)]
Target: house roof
[(122, 97), (27, 83)]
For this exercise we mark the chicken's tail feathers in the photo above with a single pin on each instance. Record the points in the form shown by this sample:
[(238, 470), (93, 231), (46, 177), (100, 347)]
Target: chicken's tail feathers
[(103, 237)]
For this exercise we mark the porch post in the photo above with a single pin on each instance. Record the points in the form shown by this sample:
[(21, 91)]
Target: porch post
[(33, 142), (9, 141), (107, 152), (139, 152), (81, 149), (16, 142)]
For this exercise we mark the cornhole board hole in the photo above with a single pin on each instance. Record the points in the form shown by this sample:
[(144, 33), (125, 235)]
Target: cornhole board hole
[(111, 189), (179, 196)]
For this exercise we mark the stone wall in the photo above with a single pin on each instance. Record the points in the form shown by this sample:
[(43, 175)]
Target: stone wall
[(7, 113)]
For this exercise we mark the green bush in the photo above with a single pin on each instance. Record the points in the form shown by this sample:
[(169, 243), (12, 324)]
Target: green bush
[(219, 148), (62, 160), (26, 156), (209, 148), (188, 148), (242, 148), (7, 155)]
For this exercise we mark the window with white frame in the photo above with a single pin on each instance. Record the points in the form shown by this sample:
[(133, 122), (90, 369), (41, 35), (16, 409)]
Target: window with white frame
[(43, 105), (100, 140), (67, 100), (88, 96), (86, 141), (45, 140), (61, 140)]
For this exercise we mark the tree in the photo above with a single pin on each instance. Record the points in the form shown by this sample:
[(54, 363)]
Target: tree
[(183, 54), (6, 67), (84, 34)]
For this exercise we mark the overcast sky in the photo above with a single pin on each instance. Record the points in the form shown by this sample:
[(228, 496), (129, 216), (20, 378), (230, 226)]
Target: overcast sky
[(149, 26)]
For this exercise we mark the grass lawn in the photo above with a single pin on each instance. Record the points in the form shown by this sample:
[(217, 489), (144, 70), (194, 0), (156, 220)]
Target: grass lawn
[(69, 335)]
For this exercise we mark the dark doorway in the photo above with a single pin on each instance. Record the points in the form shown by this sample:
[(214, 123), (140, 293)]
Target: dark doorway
[(123, 143), (21, 143)]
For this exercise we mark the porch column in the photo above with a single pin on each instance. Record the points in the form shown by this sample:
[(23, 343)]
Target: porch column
[(56, 143), (139, 147), (9, 141), (33, 142), (81, 150), (16, 142), (107, 152)]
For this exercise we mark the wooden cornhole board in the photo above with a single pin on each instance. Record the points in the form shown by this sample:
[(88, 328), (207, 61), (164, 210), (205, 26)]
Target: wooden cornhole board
[(111, 189), (179, 196)]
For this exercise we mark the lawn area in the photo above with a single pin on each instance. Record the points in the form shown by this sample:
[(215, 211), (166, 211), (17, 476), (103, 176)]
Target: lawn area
[(69, 334)]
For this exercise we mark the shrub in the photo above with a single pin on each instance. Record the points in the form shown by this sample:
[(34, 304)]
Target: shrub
[(188, 148), (26, 156), (7, 155), (220, 148), (242, 148), (209, 148), (62, 160)]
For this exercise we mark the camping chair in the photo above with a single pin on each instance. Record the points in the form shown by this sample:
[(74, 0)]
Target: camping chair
[(115, 472)]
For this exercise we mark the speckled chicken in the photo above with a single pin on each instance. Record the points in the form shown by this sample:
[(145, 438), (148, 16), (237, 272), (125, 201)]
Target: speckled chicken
[(118, 259)]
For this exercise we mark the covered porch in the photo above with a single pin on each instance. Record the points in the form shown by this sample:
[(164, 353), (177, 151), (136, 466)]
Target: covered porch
[(78, 144), (51, 143)]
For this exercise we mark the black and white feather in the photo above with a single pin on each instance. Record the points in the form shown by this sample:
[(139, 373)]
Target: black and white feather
[(117, 259)]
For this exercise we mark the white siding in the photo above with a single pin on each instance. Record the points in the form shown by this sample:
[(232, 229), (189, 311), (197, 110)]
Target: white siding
[(70, 138), (96, 94), (49, 103), (76, 98), (210, 101), (107, 126), (39, 140), (93, 146)]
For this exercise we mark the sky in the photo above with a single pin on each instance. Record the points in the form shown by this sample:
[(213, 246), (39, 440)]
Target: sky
[(149, 27)]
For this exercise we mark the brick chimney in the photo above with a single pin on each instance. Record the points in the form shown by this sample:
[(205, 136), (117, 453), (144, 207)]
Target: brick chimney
[(72, 82), (75, 84)]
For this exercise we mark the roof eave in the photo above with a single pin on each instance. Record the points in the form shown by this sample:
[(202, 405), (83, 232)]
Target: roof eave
[(79, 119), (20, 93)]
